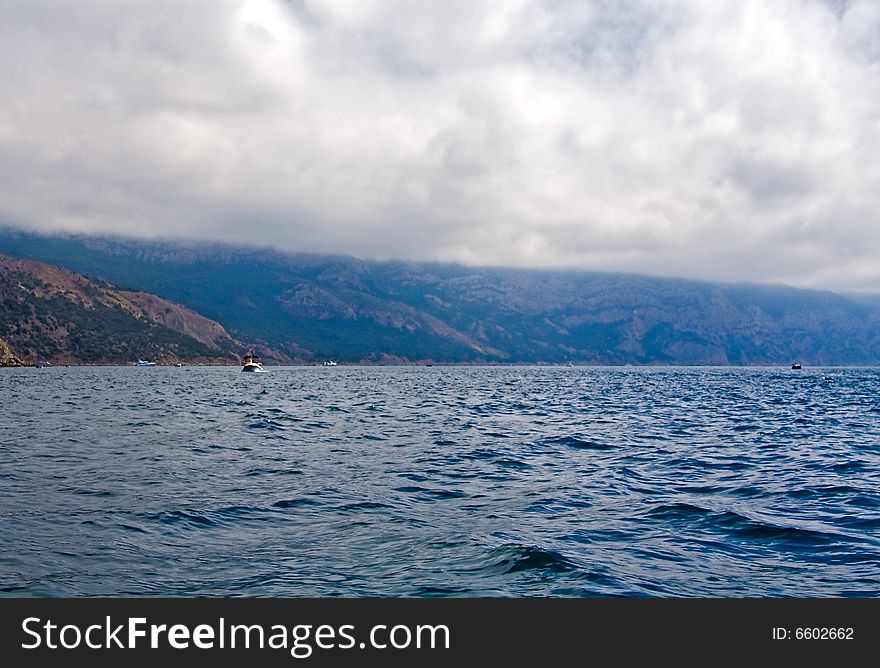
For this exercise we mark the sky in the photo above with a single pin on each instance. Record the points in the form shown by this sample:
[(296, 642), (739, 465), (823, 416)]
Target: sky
[(734, 140)]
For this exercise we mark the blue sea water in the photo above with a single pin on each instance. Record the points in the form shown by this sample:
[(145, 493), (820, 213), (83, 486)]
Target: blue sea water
[(440, 481)]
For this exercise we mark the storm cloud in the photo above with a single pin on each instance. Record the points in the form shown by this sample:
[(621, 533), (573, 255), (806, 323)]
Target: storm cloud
[(731, 140)]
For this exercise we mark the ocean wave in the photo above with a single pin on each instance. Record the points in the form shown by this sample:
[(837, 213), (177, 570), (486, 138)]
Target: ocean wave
[(432, 492), (515, 558), (206, 519), (295, 503), (742, 527), (577, 442)]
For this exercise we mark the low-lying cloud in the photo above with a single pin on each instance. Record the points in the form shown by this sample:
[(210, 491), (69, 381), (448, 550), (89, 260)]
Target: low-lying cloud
[(732, 140)]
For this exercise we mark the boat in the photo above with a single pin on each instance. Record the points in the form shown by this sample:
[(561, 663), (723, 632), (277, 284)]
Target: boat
[(796, 365), (41, 364), (141, 362), (331, 363), (178, 365), (252, 364)]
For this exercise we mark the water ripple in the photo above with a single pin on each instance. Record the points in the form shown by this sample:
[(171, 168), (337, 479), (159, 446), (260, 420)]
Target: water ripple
[(440, 481)]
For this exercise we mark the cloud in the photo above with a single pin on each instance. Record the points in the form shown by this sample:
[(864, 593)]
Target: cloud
[(731, 140)]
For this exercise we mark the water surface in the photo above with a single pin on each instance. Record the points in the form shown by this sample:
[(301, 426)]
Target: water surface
[(440, 481)]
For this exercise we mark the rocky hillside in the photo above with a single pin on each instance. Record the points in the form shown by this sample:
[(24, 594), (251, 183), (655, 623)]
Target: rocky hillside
[(8, 357), (51, 314), (312, 307)]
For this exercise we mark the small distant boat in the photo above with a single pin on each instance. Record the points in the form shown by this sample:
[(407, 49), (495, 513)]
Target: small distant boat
[(178, 365), (141, 362), (252, 364), (331, 363), (40, 365), (569, 363), (796, 365)]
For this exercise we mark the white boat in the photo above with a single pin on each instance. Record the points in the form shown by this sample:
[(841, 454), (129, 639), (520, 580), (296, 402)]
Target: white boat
[(141, 362), (331, 363), (252, 364)]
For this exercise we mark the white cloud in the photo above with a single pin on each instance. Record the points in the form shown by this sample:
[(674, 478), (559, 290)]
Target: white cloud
[(731, 140)]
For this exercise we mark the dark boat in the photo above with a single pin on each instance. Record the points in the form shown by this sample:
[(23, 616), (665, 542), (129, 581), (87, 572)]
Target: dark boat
[(796, 365)]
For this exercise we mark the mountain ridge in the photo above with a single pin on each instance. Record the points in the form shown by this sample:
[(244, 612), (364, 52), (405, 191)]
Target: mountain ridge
[(310, 307)]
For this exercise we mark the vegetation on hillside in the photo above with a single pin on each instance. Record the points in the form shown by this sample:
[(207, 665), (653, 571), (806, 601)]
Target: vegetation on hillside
[(75, 320), (313, 307)]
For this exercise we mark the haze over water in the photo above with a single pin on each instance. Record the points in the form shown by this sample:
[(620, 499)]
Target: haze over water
[(442, 481)]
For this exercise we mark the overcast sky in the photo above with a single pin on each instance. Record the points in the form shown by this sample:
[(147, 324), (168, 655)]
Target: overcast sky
[(732, 140)]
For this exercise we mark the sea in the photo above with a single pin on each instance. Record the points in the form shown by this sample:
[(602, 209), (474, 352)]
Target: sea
[(440, 482)]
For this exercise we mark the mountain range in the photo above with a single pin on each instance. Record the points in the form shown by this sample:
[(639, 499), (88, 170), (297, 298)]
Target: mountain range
[(304, 308)]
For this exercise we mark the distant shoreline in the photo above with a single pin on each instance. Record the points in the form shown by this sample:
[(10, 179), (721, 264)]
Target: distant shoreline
[(460, 365)]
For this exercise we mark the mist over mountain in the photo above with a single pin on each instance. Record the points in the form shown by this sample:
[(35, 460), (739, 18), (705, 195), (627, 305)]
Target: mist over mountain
[(306, 308)]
